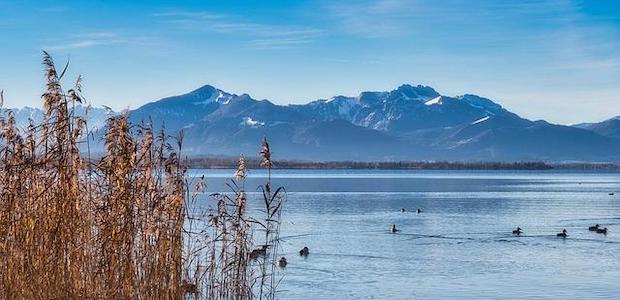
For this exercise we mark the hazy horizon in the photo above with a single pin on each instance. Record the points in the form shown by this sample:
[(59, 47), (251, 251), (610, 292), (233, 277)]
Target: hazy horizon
[(552, 60)]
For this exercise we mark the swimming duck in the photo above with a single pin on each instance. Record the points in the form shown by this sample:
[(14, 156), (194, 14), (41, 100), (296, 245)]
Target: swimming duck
[(304, 252), (394, 230), (262, 251), (282, 262), (602, 230), (517, 231), (562, 234), (402, 210), (419, 210), (611, 194), (593, 228)]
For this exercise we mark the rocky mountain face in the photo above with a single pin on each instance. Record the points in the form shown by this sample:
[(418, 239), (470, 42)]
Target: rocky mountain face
[(407, 123)]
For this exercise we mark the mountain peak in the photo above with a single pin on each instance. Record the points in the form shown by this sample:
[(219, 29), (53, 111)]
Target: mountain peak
[(208, 94), (418, 92), (204, 89), (395, 124)]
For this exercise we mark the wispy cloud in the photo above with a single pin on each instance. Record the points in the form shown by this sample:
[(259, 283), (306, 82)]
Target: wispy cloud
[(279, 43), (86, 40), (81, 44), (555, 28), (390, 18), (95, 39), (257, 35), (189, 14), (376, 18)]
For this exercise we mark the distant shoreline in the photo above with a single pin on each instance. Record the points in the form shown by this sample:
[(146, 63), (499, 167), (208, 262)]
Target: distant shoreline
[(230, 163)]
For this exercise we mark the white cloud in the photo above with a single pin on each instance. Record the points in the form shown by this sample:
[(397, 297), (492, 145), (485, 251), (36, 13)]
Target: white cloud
[(189, 14), (257, 35), (96, 39)]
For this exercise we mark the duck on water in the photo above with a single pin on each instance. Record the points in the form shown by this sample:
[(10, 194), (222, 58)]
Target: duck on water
[(517, 231), (593, 228), (262, 251), (282, 262), (602, 230), (394, 230), (562, 234)]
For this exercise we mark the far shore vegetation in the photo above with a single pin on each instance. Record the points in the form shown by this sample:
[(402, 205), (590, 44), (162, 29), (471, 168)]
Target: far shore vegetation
[(226, 162)]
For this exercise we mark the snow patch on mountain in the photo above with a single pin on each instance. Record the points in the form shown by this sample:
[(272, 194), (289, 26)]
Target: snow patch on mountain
[(436, 100), (345, 105), (248, 121), (218, 96), (480, 120)]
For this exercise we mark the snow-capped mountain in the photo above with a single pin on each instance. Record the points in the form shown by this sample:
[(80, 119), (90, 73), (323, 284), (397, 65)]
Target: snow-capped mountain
[(96, 116), (409, 122), (405, 109)]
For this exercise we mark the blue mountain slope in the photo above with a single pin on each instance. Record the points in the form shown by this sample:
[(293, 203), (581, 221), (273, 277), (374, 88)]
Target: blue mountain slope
[(610, 128), (409, 122)]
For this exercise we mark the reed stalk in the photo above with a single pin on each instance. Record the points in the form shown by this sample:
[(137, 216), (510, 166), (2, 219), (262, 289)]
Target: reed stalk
[(130, 225)]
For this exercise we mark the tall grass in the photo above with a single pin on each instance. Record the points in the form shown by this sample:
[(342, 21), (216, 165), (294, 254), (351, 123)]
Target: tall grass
[(128, 225)]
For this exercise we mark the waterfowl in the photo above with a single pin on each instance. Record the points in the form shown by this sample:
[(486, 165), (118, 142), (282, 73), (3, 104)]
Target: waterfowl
[(394, 230), (262, 251), (517, 231), (282, 262), (602, 230), (304, 252), (593, 228), (419, 210), (562, 234), (611, 194), (402, 210)]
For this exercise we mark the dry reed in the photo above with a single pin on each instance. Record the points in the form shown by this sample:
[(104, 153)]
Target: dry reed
[(126, 226)]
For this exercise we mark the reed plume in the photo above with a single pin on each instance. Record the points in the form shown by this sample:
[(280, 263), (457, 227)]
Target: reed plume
[(128, 225)]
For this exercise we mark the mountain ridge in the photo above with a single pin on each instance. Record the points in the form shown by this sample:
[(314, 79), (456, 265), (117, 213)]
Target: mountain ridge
[(410, 122)]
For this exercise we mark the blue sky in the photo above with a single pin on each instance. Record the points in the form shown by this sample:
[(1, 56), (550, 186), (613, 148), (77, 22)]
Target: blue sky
[(555, 60)]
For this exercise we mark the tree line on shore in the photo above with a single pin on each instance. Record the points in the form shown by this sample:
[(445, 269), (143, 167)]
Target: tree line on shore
[(225, 162)]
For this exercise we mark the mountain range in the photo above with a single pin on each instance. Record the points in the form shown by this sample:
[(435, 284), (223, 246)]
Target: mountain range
[(411, 122)]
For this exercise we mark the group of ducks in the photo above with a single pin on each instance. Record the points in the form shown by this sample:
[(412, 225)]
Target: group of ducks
[(282, 261), (394, 229), (596, 228)]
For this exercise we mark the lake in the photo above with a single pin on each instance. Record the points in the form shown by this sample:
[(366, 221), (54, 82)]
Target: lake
[(460, 246)]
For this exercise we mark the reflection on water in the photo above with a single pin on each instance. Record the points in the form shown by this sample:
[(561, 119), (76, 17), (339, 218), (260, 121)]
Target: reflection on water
[(460, 246)]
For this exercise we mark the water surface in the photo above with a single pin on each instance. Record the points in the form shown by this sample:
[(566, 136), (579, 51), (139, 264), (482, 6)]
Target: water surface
[(460, 246)]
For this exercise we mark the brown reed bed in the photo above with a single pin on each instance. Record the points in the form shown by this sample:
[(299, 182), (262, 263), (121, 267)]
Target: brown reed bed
[(128, 225)]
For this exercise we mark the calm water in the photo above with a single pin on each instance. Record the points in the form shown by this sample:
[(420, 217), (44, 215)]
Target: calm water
[(460, 246)]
